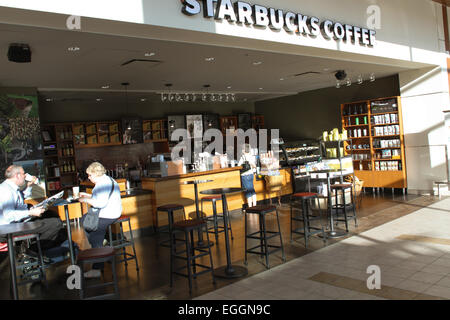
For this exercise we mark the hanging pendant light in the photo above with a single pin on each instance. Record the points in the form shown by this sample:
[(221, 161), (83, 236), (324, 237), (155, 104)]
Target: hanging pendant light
[(126, 84)]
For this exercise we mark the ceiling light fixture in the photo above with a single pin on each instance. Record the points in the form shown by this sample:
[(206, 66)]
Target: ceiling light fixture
[(126, 84), (73, 49), (149, 54), (257, 63), (348, 81), (204, 96), (359, 80), (210, 59), (105, 87)]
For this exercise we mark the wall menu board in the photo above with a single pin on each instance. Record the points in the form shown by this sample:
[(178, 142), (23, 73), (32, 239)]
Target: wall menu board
[(175, 122), (244, 121), (132, 131)]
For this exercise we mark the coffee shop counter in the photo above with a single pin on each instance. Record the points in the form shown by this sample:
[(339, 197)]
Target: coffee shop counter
[(136, 203), (172, 190)]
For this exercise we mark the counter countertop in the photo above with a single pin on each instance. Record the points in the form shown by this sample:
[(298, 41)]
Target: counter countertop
[(134, 192), (191, 174)]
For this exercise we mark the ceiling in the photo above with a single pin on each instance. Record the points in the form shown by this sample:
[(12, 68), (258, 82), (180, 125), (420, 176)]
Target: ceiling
[(97, 60)]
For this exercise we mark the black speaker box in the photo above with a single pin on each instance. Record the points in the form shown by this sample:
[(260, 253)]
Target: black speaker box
[(19, 53)]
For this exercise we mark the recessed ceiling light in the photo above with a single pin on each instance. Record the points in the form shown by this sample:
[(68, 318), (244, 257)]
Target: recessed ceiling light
[(73, 49), (143, 100), (49, 99), (149, 54), (210, 59), (229, 87), (105, 86), (98, 99), (257, 63), (281, 79), (260, 88)]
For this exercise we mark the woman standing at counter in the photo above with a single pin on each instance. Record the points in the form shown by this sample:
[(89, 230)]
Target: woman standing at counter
[(248, 163), (109, 203)]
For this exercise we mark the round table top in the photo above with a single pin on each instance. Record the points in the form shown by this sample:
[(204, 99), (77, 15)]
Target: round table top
[(326, 171), (19, 228), (222, 190), (63, 202), (197, 181)]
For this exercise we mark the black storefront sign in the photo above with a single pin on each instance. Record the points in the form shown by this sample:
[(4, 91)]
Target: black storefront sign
[(259, 16)]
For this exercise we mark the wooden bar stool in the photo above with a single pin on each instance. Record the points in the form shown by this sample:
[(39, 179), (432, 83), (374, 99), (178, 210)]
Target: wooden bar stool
[(189, 255), (95, 255), (169, 209), (343, 207), (306, 218), (215, 216), (263, 235), (121, 242)]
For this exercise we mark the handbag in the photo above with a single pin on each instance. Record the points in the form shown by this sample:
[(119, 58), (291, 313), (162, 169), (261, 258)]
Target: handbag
[(90, 222), (245, 166)]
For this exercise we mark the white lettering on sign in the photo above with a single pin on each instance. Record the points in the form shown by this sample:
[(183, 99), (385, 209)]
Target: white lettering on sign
[(277, 19)]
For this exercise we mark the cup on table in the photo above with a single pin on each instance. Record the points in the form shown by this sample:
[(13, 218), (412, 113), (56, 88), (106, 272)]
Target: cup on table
[(76, 192)]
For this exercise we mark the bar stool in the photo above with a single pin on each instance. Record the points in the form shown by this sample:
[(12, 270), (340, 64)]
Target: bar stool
[(32, 268), (263, 235), (306, 218), (169, 208), (121, 242), (214, 218), (189, 255), (343, 207), (94, 255)]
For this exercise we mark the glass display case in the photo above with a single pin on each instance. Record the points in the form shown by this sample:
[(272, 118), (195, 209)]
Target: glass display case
[(300, 152)]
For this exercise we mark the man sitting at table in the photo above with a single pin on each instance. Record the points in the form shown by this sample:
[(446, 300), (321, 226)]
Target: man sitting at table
[(13, 208)]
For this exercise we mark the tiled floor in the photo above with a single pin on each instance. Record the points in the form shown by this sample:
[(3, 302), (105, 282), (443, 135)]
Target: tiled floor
[(406, 236), (412, 252)]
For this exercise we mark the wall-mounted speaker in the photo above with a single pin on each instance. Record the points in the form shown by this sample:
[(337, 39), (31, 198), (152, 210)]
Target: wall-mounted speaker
[(19, 53)]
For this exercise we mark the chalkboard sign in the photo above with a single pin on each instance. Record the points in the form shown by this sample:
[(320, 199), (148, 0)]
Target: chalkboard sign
[(244, 121), (132, 131), (211, 121)]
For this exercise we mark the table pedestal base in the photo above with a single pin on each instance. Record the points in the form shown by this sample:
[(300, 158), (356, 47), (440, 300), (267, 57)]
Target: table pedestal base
[(202, 244), (230, 272), (335, 234)]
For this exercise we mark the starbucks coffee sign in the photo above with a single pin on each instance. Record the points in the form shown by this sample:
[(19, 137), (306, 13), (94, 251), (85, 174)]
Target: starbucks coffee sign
[(241, 13)]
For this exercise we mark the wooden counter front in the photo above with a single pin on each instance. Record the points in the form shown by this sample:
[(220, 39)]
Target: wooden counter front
[(171, 190), (138, 207)]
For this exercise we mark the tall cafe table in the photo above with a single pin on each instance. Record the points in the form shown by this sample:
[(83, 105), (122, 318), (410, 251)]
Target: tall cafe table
[(11, 230), (228, 271), (333, 234), (65, 203), (201, 243)]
